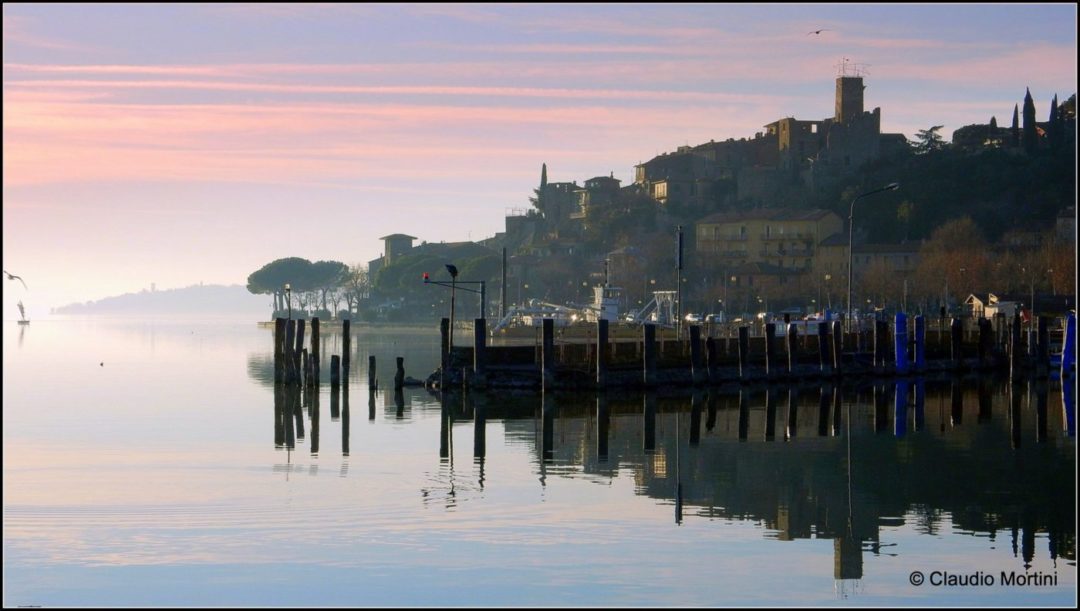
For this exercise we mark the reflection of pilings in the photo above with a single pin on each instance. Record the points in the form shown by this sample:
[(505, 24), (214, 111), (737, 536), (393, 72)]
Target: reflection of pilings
[(345, 420), (824, 407), (603, 420), (847, 558), (649, 418), (838, 400), (957, 336), (371, 379), (881, 410), (293, 395), (770, 414), (711, 400), (837, 336), (1042, 356), (711, 356), (957, 416), (479, 379), (900, 342), (1040, 409), (479, 424), (313, 409), (985, 400), (1015, 400), (900, 409), (792, 413), (920, 405), (547, 414), (446, 422), (371, 404), (744, 414), (986, 342), (696, 400), (1014, 348), (335, 407), (279, 415), (399, 404)]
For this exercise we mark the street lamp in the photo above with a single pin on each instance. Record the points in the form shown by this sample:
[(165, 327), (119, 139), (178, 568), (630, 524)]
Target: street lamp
[(453, 289), (288, 298), (892, 186)]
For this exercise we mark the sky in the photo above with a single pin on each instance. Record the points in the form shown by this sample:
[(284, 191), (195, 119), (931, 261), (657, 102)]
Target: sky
[(173, 144)]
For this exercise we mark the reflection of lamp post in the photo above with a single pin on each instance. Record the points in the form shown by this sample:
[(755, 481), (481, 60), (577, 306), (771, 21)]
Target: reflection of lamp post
[(288, 298), (851, 226)]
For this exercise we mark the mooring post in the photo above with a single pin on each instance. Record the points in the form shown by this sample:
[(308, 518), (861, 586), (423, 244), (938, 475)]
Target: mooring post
[(881, 343), (957, 343), (837, 346), (711, 359), (825, 362), (480, 353), (1042, 355), (372, 380), (1014, 347), (399, 376), (900, 341), (298, 350), (649, 354), (602, 352), (986, 340), (920, 342), (279, 350), (548, 353), (792, 347), (444, 352), (744, 353), (697, 367), (290, 366), (771, 362), (304, 368), (346, 347), (315, 351), (1068, 347)]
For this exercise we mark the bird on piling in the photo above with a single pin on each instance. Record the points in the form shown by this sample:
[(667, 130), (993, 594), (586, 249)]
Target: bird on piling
[(12, 276)]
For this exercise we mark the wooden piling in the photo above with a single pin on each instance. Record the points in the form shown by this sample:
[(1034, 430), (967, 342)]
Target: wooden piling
[(881, 345), (290, 367), (711, 362), (920, 343), (335, 373), (1042, 355), (602, 352), (603, 422), (792, 347), (346, 346), (547, 372), (298, 350), (480, 353), (444, 352), (956, 329), (823, 347), (744, 353), (315, 351), (771, 361), (649, 354), (986, 340), (900, 343), (837, 346), (371, 379), (399, 376), (1014, 348), (279, 350), (697, 367)]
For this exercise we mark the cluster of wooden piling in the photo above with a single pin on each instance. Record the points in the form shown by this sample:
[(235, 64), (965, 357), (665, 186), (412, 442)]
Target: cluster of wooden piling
[(883, 351)]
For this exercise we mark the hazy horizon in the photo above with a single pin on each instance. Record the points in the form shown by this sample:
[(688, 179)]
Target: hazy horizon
[(174, 144)]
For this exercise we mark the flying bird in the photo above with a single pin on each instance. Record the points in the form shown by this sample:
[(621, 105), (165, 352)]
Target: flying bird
[(818, 31), (12, 276)]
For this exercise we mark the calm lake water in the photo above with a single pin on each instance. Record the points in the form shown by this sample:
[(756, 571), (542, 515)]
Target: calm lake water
[(151, 463)]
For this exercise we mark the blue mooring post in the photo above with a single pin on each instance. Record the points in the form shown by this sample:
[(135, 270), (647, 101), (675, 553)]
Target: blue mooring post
[(920, 342), (900, 339), (1068, 349)]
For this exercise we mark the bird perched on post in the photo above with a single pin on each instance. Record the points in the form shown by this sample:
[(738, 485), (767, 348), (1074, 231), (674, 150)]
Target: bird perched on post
[(12, 276), (452, 269), (818, 31)]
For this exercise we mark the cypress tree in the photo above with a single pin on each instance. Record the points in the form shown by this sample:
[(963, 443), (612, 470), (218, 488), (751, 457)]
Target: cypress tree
[(1053, 132), (1014, 131), (1030, 138)]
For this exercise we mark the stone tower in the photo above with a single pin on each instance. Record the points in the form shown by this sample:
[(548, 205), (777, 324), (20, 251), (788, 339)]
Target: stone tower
[(849, 98)]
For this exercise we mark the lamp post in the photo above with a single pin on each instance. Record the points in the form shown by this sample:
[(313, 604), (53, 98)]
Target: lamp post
[(288, 298), (892, 186), (453, 290)]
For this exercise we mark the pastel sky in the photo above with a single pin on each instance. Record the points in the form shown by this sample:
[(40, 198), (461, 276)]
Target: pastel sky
[(184, 143)]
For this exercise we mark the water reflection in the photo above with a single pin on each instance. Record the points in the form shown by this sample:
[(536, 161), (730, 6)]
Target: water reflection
[(868, 459)]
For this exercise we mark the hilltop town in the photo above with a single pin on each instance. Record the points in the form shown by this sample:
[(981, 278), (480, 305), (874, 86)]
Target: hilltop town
[(764, 222)]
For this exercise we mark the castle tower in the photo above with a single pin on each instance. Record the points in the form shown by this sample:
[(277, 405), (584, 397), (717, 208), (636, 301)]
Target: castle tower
[(849, 98)]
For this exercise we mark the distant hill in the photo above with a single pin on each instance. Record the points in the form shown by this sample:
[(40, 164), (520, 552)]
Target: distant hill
[(208, 300)]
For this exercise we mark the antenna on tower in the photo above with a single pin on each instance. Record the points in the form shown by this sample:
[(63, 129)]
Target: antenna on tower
[(846, 67)]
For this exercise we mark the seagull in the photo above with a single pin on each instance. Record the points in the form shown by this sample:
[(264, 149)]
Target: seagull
[(12, 276), (818, 31)]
